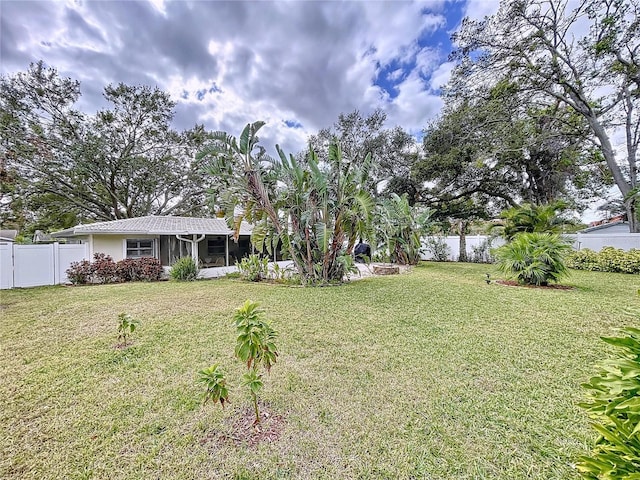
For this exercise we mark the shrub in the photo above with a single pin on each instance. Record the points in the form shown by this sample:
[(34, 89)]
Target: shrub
[(104, 269), (146, 269), (584, 259), (617, 260), (482, 253), (609, 259), (534, 258), (185, 270), (79, 273), (614, 406), (253, 268), (438, 248)]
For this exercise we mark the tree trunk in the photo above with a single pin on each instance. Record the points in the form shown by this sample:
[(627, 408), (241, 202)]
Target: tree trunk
[(462, 231), (618, 177), (632, 215)]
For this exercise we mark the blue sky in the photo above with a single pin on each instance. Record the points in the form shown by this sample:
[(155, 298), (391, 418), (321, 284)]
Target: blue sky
[(297, 64)]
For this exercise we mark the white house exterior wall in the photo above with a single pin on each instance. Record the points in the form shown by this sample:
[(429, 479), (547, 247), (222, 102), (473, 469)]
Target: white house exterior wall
[(115, 245)]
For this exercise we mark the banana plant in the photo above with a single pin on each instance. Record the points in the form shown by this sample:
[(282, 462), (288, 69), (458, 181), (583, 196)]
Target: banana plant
[(399, 228), (314, 211)]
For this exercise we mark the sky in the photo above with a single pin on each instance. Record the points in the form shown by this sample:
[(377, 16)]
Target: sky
[(294, 64)]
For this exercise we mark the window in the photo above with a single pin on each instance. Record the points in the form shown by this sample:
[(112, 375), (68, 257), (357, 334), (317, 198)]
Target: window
[(140, 248), (216, 246)]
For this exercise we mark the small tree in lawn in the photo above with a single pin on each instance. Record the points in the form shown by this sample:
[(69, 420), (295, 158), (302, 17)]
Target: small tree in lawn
[(216, 384), (255, 347), (126, 326)]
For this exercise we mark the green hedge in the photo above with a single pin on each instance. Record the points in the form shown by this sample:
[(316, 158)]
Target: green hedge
[(608, 259)]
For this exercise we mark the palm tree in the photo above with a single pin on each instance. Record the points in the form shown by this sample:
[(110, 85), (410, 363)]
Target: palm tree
[(530, 218)]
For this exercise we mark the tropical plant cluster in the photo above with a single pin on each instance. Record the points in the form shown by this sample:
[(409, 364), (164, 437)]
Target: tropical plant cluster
[(104, 270), (613, 404), (608, 259), (399, 228), (314, 211)]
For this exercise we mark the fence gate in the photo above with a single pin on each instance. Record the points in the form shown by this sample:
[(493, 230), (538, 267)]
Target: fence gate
[(36, 265)]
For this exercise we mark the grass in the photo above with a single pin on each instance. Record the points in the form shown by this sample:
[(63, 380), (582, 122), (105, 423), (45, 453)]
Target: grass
[(433, 374)]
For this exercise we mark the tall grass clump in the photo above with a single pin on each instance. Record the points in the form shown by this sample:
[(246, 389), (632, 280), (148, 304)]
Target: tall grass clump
[(185, 270)]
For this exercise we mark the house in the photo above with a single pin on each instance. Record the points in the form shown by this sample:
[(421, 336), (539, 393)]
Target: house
[(607, 234), (166, 238), (615, 226), (40, 237), (8, 236)]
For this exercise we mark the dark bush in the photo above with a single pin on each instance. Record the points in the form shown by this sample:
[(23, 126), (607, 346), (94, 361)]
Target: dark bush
[(79, 273), (145, 269), (104, 268)]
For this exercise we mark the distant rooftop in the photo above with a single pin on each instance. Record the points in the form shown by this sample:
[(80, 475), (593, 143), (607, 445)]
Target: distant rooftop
[(8, 235), (603, 226)]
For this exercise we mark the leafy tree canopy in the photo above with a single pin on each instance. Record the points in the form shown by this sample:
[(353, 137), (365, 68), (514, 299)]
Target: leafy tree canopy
[(537, 44), (122, 162)]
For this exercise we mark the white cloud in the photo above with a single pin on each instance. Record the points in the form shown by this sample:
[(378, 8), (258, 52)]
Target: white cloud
[(300, 61), (441, 75)]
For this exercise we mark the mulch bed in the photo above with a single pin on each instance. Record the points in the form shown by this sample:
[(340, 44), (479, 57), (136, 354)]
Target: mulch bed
[(242, 431), (513, 283)]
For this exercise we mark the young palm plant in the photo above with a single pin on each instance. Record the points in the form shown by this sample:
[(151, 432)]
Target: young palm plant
[(534, 258), (530, 218), (255, 347)]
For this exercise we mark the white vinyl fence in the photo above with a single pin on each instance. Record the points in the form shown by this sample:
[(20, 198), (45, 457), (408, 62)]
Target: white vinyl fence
[(35, 265), (592, 241), (597, 241)]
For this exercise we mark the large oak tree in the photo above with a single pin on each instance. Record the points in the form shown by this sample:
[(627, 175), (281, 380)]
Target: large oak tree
[(124, 161), (587, 59)]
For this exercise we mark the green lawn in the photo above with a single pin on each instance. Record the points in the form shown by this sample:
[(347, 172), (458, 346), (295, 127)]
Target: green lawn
[(432, 374)]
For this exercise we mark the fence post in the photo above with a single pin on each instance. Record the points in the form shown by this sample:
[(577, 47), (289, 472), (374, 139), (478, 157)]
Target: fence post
[(56, 263)]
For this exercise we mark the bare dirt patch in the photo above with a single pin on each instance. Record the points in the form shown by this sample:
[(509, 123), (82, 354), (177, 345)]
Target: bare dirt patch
[(513, 283), (241, 429)]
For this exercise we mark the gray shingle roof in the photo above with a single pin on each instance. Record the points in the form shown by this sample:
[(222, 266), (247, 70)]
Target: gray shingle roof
[(156, 225)]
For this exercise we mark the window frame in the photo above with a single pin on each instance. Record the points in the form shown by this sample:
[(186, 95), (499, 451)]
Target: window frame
[(138, 248)]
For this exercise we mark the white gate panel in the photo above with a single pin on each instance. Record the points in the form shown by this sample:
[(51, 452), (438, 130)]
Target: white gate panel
[(6, 265), (33, 265), (68, 254)]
